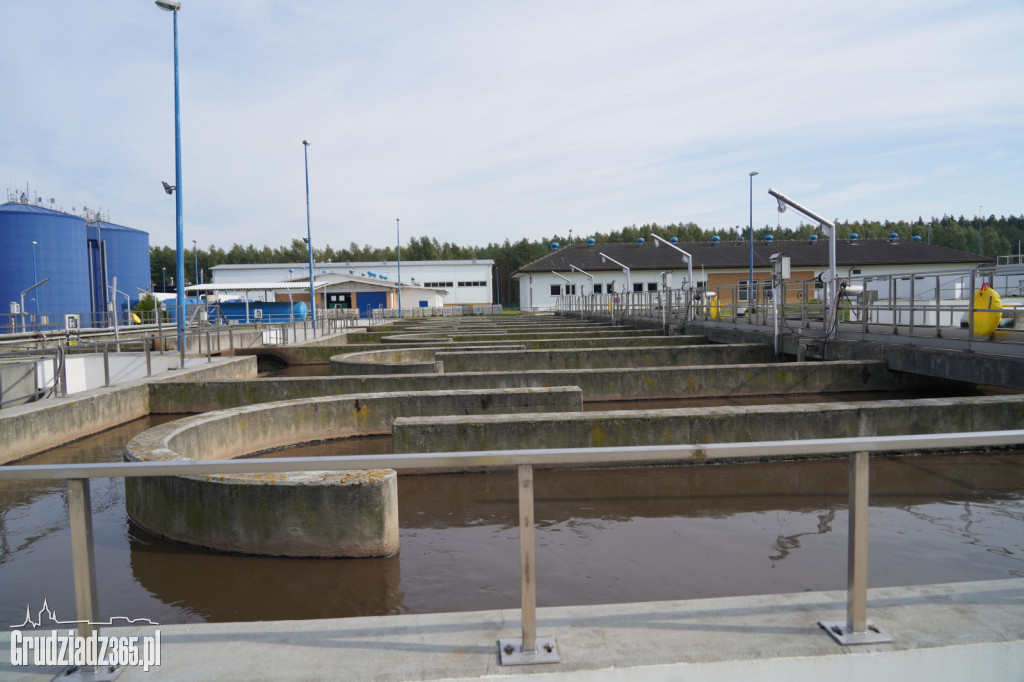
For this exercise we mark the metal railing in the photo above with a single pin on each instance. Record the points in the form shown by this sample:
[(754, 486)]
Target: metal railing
[(530, 648), (201, 340), (923, 303)]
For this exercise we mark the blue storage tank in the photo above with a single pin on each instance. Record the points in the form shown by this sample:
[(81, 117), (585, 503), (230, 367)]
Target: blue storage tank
[(121, 252), (59, 252)]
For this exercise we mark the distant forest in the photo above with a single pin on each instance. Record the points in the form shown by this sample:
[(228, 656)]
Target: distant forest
[(999, 237)]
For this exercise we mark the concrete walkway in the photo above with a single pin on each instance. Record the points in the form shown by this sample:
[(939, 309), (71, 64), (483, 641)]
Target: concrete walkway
[(962, 631)]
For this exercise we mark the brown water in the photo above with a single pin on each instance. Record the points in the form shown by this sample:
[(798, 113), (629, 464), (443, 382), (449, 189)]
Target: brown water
[(602, 536)]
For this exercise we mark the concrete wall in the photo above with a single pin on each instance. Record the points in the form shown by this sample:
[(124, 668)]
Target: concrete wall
[(336, 514), (949, 364), (710, 425), (603, 358), (395, 360), (308, 354), (645, 383), (18, 384), (28, 429)]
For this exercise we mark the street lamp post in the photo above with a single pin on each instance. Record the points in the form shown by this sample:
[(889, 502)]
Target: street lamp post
[(195, 256), (398, 240), (750, 281), (163, 278), (173, 8), (309, 240)]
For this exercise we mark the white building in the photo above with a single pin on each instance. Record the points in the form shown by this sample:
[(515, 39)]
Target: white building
[(463, 282)]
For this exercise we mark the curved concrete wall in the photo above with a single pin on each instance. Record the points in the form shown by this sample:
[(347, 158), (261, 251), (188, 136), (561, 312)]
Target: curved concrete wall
[(394, 361), (320, 514)]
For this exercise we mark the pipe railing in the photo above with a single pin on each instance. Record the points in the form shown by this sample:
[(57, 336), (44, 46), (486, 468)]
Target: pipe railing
[(529, 648), (926, 303)]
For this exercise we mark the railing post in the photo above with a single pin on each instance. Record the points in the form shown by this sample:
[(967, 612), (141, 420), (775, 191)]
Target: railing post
[(82, 554), (529, 649), (106, 364), (147, 342), (857, 629), (182, 342), (209, 348)]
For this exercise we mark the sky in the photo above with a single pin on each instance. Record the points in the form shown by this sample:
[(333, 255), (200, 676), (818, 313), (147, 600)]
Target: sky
[(475, 121)]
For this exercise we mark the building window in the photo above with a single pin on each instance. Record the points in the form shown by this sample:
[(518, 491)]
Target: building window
[(652, 286), (438, 284), (745, 290), (597, 288), (472, 284), (638, 286), (556, 290)]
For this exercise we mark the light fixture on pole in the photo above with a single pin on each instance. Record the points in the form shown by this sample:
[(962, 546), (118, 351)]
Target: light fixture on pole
[(173, 8), (687, 258), (587, 274), (567, 281), (309, 240), (829, 229), (750, 282), (398, 241), (629, 282)]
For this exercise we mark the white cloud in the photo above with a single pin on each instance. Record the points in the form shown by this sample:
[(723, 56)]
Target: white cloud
[(479, 121)]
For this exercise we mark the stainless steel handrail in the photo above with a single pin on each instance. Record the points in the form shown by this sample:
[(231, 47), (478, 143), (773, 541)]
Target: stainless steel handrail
[(856, 630)]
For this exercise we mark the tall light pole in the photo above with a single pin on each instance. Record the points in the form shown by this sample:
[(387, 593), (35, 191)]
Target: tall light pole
[(309, 238), (398, 240), (750, 281), (173, 8), (195, 256), (164, 279)]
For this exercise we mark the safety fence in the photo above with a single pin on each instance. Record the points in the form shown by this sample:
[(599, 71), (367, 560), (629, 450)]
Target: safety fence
[(530, 647)]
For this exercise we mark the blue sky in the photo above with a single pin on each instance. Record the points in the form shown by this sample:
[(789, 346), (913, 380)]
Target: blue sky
[(476, 121)]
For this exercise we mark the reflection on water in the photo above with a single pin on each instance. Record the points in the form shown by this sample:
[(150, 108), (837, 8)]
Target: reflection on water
[(603, 536)]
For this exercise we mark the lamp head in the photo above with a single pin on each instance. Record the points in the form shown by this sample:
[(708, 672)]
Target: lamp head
[(782, 205), (168, 188), (753, 173), (305, 143), (168, 6)]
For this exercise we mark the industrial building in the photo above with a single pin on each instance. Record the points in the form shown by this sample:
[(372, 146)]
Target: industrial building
[(606, 268), (56, 264), (365, 286)]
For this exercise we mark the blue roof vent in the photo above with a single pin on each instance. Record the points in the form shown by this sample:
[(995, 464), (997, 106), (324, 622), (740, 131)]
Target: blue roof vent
[(854, 237), (814, 239), (590, 241), (768, 239), (640, 241), (742, 239), (715, 239), (554, 246), (893, 237), (917, 238), (674, 240)]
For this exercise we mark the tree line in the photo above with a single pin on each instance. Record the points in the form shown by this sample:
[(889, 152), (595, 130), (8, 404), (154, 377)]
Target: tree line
[(998, 236)]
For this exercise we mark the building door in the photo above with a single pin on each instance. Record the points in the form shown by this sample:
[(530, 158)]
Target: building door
[(368, 300)]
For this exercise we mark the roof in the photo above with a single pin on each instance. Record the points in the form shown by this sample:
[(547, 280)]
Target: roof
[(103, 225), (15, 207), (350, 264), (736, 254), (251, 286)]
